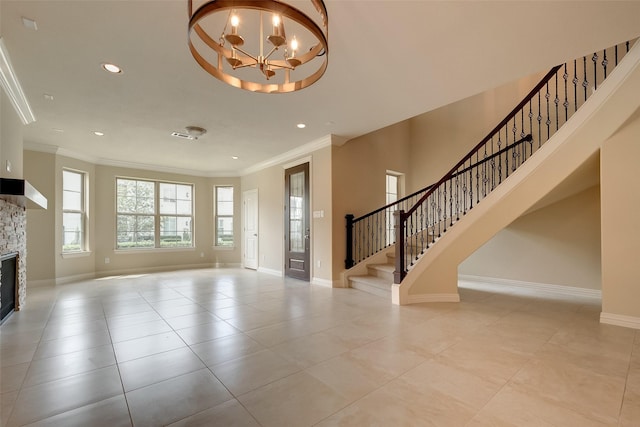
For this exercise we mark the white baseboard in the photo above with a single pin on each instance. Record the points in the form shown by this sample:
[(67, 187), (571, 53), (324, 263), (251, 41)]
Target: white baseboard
[(270, 271), (145, 270), (74, 278), (40, 283), (226, 265), (326, 282), (469, 280), (417, 299), (620, 320)]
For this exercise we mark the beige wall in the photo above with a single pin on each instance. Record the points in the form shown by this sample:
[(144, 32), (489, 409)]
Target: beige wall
[(558, 244), (620, 188), (359, 169), (202, 255), (440, 138), (10, 139), (44, 232), (270, 185), (39, 170)]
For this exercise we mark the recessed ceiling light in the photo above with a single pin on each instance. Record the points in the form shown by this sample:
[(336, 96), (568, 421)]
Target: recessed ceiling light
[(112, 68), (98, 133), (301, 125), (48, 97), (235, 157), (58, 130), (29, 24)]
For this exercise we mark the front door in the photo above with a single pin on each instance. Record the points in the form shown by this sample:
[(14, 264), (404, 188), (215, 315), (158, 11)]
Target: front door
[(297, 231)]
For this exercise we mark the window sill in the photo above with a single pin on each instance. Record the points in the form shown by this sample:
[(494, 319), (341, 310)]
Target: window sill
[(79, 254), (147, 250)]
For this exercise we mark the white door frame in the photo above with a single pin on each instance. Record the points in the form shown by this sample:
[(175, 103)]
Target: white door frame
[(250, 235)]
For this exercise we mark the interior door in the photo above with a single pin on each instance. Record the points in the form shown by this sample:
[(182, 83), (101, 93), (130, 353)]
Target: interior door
[(297, 226), (250, 227)]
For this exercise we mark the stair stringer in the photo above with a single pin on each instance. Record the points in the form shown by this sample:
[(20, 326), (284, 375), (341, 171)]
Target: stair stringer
[(435, 275)]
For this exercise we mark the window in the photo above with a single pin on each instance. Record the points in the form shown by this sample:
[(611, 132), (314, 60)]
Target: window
[(391, 197), (153, 214), (73, 211), (224, 215)]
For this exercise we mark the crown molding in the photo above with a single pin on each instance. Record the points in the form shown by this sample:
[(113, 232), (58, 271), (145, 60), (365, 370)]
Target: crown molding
[(11, 85), (290, 155)]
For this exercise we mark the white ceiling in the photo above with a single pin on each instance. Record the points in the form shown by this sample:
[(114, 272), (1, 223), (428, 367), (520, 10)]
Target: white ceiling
[(389, 60)]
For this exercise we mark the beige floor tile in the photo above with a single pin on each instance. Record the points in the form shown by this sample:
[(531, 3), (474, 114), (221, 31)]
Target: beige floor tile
[(297, 400), (250, 372), (227, 414), (206, 332), (158, 367), (387, 357), (191, 320), (72, 344), (466, 387), (57, 330), (513, 408), (172, 400), (494, 364), (630, 412), (17, 354), (146, 346), (182, 310), (312, 349), (111, 412), (396, 405), (12, 377), (7, 402), (55, 397), (132, 319), (348, 377), (140, 330), (594, 395), (225, 349), (66, 365)]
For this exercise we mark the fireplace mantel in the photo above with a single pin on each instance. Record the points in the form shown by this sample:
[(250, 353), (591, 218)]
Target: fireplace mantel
[(21, 193)]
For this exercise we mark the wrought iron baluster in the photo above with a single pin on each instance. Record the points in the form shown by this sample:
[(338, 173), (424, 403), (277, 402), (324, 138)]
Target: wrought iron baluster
[(594, 58), (539, 118), (585, 82), (477, 181), (548, 121), (556, 101), (470, 186), (451, 201), (575, 85), (565, 76), (605, 62), (531, 124), (506, 154)]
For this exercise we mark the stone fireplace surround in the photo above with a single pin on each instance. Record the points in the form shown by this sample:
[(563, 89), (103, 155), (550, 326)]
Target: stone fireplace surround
[(13, 239)]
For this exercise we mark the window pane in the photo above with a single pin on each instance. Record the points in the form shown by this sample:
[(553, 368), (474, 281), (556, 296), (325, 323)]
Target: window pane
[(73, 232), (135, 231), (224, 231), (71, 200), (72, 181), (184, 207), (175, 231)]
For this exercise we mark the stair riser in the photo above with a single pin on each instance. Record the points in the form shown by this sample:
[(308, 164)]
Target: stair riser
[(371, 289)]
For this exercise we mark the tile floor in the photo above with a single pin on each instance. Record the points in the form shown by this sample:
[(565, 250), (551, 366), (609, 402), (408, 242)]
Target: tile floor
[(237, 348)]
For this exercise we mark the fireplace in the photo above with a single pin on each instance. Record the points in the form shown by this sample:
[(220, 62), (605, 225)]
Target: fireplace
[(8, 289)]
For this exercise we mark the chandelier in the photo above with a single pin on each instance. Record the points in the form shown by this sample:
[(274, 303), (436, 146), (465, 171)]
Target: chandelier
[(245, 43)]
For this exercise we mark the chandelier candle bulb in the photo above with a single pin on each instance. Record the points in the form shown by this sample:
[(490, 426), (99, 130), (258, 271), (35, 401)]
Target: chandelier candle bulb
[(217, 46)]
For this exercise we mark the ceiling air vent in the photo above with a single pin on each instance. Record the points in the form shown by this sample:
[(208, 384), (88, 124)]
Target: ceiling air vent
[(192, 133), (182, 135)]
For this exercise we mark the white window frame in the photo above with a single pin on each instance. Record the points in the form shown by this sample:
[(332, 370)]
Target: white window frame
[(82, 240), (157, 216), (390, 229), (217, 215)]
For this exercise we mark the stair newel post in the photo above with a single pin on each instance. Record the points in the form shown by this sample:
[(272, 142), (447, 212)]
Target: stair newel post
[(399, 272), (348, 262)]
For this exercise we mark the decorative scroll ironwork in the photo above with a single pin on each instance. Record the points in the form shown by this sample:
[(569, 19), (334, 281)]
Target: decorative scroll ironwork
[(422, 217)]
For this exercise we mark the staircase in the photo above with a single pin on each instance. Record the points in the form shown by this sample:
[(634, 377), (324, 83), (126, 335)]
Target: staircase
[(379, 279), (440, 206)]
